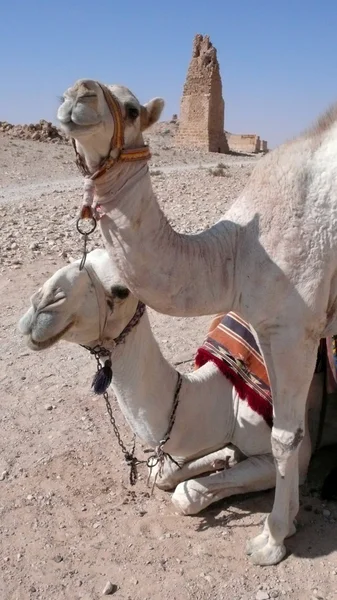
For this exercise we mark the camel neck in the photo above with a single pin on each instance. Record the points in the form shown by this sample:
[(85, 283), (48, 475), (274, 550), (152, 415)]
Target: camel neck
[(170, 272), (144, 383), (118, 181)]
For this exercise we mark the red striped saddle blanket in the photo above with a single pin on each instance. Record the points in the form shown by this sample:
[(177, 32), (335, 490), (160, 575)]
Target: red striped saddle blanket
[(232, 345)]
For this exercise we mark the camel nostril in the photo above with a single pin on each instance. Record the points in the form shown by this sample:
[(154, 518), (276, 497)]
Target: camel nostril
[(50, 302)]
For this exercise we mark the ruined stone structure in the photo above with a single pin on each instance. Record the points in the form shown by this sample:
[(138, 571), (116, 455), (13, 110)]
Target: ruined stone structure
[(202, 110), (246, 143)]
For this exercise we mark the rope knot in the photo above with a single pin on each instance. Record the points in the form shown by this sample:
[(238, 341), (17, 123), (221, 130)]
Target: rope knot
[(87, 211)]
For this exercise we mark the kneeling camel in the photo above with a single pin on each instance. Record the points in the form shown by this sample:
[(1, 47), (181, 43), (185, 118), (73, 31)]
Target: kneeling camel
[(213, 426)]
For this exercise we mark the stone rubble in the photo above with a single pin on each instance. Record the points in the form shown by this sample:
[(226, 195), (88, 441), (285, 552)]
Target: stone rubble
[(43, 131)]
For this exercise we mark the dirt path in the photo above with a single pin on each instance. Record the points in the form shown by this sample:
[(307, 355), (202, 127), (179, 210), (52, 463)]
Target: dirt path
[(14, 192)]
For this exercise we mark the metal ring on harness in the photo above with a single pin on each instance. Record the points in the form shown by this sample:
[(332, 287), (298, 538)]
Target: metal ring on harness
[(90, 231)]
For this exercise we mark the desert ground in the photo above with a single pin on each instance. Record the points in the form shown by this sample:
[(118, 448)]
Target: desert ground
[(70, 522)]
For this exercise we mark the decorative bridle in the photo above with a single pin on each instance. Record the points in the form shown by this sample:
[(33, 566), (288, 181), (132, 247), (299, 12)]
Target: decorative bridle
[(120, 153)]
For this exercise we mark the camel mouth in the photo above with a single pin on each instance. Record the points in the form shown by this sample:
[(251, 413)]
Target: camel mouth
[(35, 345), (71, 127)]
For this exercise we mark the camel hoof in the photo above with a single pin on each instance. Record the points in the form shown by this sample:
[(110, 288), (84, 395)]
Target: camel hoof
[(181, 504), (190, 498), (269, 555), (257, 543)]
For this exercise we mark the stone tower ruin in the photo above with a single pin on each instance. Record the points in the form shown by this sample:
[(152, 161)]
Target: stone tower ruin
[(202, 109)]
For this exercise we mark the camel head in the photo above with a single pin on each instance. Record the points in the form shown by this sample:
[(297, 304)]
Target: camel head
[(70, 305), (91, 114)]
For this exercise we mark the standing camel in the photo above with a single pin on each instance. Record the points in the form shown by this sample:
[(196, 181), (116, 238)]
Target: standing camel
[(272, 258)]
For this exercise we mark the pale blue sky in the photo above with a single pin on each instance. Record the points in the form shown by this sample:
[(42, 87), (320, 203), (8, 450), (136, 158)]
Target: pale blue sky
[(277, 58)]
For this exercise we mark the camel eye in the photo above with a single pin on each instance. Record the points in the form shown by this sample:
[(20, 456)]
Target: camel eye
[(120, 292), (132, 112)]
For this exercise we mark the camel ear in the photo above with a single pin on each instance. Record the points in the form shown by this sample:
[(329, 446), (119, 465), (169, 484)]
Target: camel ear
[(150, 112)]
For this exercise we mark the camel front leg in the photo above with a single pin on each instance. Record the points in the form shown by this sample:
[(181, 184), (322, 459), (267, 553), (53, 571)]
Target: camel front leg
[(172, 475), (253, 474), (290, 370)]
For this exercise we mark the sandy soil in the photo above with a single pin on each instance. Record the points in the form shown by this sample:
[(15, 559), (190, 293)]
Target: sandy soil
[(69, 520)]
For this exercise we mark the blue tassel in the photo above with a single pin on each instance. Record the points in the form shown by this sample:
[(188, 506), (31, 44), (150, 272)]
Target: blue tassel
[(102, 378)]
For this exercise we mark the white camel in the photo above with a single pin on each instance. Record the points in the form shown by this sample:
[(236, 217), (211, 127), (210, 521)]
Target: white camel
[(272, 258), (213, 426)]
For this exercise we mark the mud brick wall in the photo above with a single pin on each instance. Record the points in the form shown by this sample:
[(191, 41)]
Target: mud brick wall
[(244, 143)]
